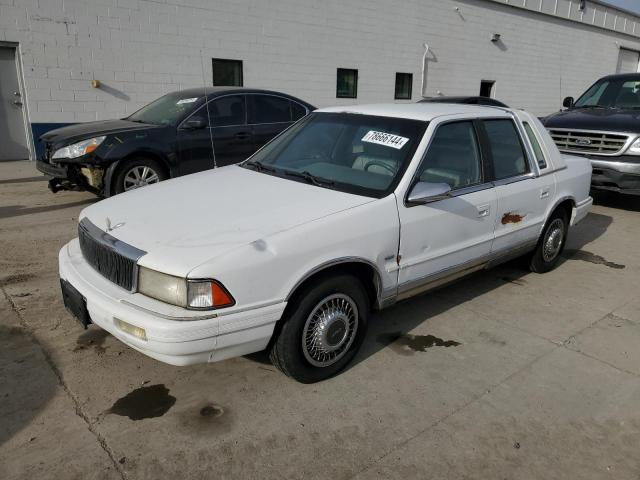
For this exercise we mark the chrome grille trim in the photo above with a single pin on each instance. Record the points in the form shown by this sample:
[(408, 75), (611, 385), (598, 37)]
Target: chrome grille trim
[(591, 141), (113, 259)]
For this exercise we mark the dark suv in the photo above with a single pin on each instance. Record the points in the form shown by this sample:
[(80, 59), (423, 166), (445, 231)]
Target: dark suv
[(180, 133), (604, 126)]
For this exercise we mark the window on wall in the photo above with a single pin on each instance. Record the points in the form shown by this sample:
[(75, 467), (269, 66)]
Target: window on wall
[(404, 82), (486, 88), (347, 83), (226, 72)]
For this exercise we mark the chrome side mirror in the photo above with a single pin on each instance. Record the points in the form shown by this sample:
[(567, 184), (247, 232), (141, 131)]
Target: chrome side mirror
[(425, 192), (195, 123)]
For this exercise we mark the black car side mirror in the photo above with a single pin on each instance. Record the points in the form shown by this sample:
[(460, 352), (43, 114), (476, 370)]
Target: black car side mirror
[(195, 123), (568, 102)]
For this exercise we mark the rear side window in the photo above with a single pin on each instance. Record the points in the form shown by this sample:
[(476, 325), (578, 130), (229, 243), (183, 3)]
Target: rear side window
[(297, 111), (227, 111), (269, 109), (509, 159), (453, 157), (542, 163)]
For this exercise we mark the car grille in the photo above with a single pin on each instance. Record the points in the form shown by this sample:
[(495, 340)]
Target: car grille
[(113, 259), (596, 143)]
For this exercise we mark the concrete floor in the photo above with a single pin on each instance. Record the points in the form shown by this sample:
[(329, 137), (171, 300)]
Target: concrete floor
[(541, 379)]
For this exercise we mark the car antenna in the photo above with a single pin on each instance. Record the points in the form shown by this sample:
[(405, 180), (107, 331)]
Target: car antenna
[(206, 102)]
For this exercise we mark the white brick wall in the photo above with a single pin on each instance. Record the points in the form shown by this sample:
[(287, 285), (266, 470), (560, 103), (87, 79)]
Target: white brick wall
[(140, 49)]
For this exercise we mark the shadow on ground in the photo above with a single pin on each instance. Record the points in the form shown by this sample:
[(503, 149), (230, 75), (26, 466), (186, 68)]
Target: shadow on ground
[(20, 210)]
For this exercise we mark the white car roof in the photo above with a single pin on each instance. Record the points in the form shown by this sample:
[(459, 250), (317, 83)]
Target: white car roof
[(419, 111)]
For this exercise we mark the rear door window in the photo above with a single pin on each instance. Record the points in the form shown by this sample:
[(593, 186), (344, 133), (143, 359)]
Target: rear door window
[(507, 152), (269, 109)]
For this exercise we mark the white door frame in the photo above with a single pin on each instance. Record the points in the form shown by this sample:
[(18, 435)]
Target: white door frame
[(25, 102)]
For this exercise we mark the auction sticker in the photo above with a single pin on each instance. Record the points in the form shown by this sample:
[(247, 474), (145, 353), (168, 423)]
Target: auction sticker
[(386, 139), (186, 100)]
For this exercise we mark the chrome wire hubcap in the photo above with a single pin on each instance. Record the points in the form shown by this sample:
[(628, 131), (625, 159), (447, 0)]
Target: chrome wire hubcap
[(140, 176), (553, 240), (330, 330)]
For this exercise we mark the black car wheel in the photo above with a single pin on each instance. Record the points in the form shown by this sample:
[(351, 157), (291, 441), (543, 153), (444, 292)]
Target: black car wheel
[(138, 172), (551, 243), (322, 330)]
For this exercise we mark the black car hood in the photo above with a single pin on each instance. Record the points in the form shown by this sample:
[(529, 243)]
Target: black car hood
[(596, 119), (82, 131)]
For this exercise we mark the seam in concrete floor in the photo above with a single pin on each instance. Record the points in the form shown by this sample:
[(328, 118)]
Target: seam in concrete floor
[(507, 378), (77, 407)]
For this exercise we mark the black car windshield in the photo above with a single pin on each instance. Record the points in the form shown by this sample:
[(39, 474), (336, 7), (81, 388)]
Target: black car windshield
[(360, 154), (611, 93), (167, 110)]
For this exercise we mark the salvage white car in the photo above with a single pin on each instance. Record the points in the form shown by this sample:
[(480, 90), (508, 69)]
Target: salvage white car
[(349, 210)]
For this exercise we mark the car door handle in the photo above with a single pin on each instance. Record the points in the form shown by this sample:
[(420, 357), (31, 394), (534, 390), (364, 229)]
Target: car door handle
[(18, 103), (242, 135), (484, 211), (544, 193)]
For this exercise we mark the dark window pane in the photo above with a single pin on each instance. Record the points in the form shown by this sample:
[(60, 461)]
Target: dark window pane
[(297, 111), (542, 163), (347, 85), (404, 82), (508, 156), (227, 111), (486, 88), (227, 72), (453, 157), (269, 109)]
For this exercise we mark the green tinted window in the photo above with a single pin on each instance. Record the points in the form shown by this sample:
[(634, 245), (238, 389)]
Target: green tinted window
[(542, 163)]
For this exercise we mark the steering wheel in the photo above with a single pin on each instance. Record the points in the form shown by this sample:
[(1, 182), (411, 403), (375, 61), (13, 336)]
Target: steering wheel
[(378, 163)]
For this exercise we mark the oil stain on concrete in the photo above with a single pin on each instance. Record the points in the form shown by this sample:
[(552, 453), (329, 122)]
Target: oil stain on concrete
[(407, 344), (144, 402), (203, 419), (92, 338), (592, 258)]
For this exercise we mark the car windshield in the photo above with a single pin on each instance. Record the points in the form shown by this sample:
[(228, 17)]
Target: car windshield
[(360, 154), (612, 93), (167, 110)]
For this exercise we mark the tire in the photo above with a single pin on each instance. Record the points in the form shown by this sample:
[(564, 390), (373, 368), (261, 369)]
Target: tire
[(551, 243), (301, 350), (148, 172)]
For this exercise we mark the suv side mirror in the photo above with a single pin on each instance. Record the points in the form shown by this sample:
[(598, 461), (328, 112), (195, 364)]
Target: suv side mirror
[(425, 192), (568, 102), (195, 123)]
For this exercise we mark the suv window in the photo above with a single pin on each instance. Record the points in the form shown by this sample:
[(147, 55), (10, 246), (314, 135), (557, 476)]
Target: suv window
[(542, 163), (269, 109), (509, 159), (297, 111), (227, 111), (453, 156)]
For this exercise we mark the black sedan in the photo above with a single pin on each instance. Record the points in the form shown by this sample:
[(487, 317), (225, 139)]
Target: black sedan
[(180, 133), (467, 100)]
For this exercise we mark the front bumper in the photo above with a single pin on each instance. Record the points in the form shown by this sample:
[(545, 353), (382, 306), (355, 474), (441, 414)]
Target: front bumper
[(617, 174), (174, 335)]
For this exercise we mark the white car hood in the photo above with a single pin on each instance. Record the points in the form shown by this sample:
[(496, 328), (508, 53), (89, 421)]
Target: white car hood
[(184, 222)]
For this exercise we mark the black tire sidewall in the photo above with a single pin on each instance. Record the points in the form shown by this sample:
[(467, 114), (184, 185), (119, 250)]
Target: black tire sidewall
[(538, 263), (288, 344), (125, 166)]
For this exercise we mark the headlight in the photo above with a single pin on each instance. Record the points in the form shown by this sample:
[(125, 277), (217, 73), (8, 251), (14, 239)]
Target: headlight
[(191, 294), (78, 149), (634, 149)]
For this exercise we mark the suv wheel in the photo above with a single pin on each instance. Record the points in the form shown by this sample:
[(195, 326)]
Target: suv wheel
[(323, 328), (138, 172), (551, 243)]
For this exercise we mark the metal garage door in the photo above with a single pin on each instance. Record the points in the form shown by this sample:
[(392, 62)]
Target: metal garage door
[(13, 138), (628, 61)]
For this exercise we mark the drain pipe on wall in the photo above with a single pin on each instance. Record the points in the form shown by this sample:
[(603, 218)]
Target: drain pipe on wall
[(424, 70)]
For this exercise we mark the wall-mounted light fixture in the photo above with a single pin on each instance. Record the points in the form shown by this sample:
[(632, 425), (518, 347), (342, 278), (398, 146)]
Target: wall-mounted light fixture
[(496, 37)]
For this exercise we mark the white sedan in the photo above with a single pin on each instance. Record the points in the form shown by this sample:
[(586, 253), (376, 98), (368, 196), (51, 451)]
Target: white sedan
[(351, 209)]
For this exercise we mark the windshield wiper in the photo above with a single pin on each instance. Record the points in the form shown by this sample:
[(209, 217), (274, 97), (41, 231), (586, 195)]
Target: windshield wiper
[(311, 178), (259, 166)]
